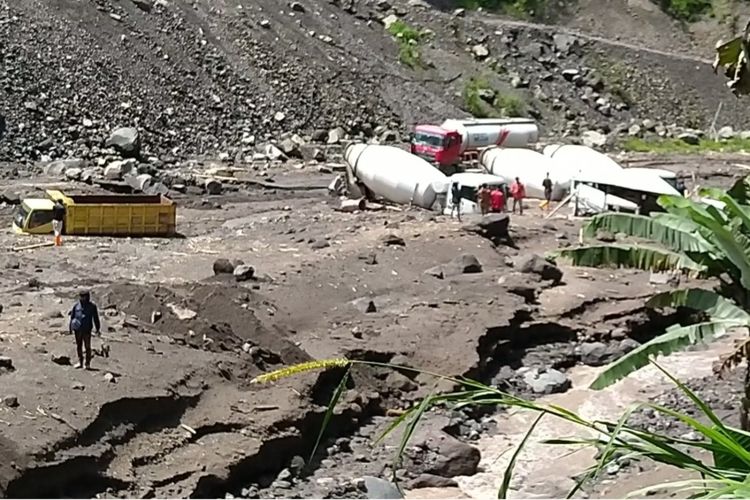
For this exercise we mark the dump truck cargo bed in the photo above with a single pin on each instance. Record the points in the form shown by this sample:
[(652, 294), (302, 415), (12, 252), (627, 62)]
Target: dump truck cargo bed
[(117, 215)]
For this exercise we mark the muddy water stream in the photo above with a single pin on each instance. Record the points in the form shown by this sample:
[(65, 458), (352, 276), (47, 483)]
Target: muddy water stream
[(544, 471)]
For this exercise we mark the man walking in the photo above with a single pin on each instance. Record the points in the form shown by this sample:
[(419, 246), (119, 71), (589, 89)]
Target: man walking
[(84, 317), (456, 200), (518, 192), (58, 218), (484, 199), (547, 185)]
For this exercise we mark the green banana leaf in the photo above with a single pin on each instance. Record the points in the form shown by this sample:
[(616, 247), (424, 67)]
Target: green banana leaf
[(675, 233), (675, 339), (631, 256), (713, 304)]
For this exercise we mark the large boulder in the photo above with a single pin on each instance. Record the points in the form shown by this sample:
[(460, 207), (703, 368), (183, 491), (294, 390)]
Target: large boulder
[(453, 457), (549, 381), (494, 227), (534, 264), (223, 266), (58, 168), (126, 141)]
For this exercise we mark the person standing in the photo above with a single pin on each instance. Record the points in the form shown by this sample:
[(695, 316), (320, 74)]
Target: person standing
[(58, 220), (518, 192), (456, 200), (497, 200), (84, 317), (547, 185), (484, 199)]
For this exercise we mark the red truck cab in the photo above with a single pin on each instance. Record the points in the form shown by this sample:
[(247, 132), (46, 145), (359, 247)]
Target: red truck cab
[(437, 145)]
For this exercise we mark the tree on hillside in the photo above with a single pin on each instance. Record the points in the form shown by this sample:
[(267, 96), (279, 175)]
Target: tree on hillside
[(709, 239)]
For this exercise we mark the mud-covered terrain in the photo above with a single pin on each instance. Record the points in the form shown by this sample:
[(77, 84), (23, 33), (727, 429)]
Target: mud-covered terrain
[(171, 410)]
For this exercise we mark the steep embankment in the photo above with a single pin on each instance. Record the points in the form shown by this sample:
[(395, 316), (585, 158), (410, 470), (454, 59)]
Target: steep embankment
[(207, 77)]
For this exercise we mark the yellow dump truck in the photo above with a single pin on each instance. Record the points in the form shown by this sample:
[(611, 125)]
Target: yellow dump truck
[(99, 215)]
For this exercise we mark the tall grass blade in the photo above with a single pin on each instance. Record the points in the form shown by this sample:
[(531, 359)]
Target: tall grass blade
[(329, 412), (502, 494)]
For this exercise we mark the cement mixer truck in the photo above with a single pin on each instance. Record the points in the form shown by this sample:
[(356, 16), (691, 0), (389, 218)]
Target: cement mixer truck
[(457, 141)]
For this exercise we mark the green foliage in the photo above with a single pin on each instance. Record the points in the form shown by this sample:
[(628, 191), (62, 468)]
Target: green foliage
[(675, 146), (726, 475), (408, 39), (693, 238), (687, 10), (517, 8), (483, 101)]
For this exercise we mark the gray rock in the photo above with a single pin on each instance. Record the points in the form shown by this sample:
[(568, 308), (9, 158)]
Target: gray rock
[(126, 141), (144, 5), (336, 135), (73, 174), (392, 240), (664, 279), (563, 43), (297, 465), (380, 488), (60, 359), (273, 153), (110, 378), (432, 481), (464, 264), (689, 138), (480, 52), (634, 130), (455, 458), (370, 259), (550, 381), (366, 306), (744, 135), (319, 244), (318, 155), (625, 346), (223, 266), (570, 74), (594, 353), (297, 7), (534, 264), (11, 401), (493, 227), (593, 139), (649, 125), (58, 168), (244, 272), (290, 148), (436, 271), (6, 363), (726, 133), (213, 186)]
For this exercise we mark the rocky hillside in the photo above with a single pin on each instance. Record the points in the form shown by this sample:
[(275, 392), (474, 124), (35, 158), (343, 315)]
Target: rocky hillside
[(207, 77)]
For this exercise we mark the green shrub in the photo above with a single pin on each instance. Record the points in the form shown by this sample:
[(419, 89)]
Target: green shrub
[(502, 104), (686, 10), (408, 39)]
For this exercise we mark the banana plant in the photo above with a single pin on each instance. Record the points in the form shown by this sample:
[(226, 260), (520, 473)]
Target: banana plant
[(693, 238)]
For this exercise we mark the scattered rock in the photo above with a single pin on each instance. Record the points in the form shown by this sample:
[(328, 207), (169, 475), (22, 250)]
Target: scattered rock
[(213, 186), (223, 266), (319, 244), (336, 135), (61, 360), (77, 386), (432, 481), (380, 488), (11, 401), (244, 272), (494, 227), (593, 139), (465, 264), (455, 458), (549, 381), (6, 363), (689, 138), (125, 141), (594, 353), (534, 264), (392, 240), (370, 259), (605, 236), (726, 133), (436, 271), (480, 52), (110, 378)]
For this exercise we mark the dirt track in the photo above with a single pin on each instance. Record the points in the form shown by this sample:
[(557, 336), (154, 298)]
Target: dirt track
[(180, 417)]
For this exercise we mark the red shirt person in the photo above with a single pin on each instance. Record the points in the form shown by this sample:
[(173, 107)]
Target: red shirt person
[(518, 192), (497, 200)]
